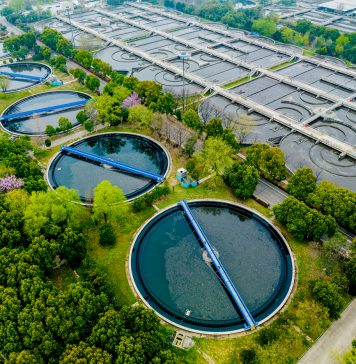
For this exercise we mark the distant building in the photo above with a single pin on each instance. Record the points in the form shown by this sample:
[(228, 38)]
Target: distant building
[(339, 6)]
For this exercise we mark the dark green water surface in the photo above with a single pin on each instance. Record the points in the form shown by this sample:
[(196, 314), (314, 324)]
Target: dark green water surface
[(84, 176), (37, 124), (170, 272)]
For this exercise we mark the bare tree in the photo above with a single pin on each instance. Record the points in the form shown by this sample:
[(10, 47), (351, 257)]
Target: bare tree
[(207, 111), (88, 42), (242, 127), (4, 82), (92, 113)]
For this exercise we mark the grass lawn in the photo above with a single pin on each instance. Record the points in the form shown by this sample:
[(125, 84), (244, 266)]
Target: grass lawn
[(238, 82), (282, 65), (294, 330), (309, 52)]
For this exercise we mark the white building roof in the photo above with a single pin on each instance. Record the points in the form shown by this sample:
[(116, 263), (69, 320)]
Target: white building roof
[(339, 5)]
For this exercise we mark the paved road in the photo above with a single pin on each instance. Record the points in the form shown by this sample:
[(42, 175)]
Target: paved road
[(336, 340), (73, 136), (11, 28), (269, 193)]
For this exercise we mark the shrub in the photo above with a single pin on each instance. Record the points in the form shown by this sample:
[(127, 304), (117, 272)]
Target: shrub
[(192, 120), (242, 178), (328, 294), (48, 143), (64, 124), (50, 130), (248, 356), (88, 125), (81, 116), (107, 235), (267, 336), (148, 199), (138, 205)]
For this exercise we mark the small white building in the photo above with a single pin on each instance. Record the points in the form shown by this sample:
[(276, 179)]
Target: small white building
[(339, 6), (181, 174)]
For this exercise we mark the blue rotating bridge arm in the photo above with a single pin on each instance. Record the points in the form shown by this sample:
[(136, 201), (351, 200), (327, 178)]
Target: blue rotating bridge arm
[(251, 323), (22, 76), (44, 110), (119, 165)]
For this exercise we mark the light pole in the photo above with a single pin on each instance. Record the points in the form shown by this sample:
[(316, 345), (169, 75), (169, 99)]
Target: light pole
[(183, 57), (70, 24)]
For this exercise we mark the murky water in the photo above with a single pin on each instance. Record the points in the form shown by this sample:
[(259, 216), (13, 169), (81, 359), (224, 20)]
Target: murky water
[(170, 269), (84, 176)]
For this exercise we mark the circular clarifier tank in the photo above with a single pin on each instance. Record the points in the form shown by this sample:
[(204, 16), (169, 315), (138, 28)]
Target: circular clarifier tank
[(172, 273), (35, 124), (37, 73), (84, 175)]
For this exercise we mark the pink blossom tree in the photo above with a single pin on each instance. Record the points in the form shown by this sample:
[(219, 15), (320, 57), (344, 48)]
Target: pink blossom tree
[(9, 183), (131, 101)]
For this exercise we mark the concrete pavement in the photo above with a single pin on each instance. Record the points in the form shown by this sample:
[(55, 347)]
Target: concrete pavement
[(269, 193), (11, 28), (335, 341)]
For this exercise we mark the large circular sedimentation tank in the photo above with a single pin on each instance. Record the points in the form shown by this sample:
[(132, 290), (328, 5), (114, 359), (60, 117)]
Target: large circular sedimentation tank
[(25, 68), (36, 124), (132, 149), (172, 273)]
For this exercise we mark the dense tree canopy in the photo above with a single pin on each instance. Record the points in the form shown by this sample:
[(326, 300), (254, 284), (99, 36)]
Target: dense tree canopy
[(328, 294), (266, 27), (140, 114), (213, 159), (268, 159), (192, 120), (109, 203), (242, 178), (92, 82), (214, 128), (15, 159), (302, 183), (302, 221), (335, 201), (40, 323)]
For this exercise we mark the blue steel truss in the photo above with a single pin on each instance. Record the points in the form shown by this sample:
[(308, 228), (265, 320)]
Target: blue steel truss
[(44, 110), (250, 322), (22, 76), (119, 165)]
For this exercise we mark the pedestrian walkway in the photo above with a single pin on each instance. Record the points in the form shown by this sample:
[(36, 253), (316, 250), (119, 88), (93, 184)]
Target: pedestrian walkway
[(335, 341), (74, 136)]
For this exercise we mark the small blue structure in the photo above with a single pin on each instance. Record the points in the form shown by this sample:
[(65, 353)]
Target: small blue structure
[(54, 82), (182, 176), (44, 110), (20, 76), (119, 165), (229, 285)]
